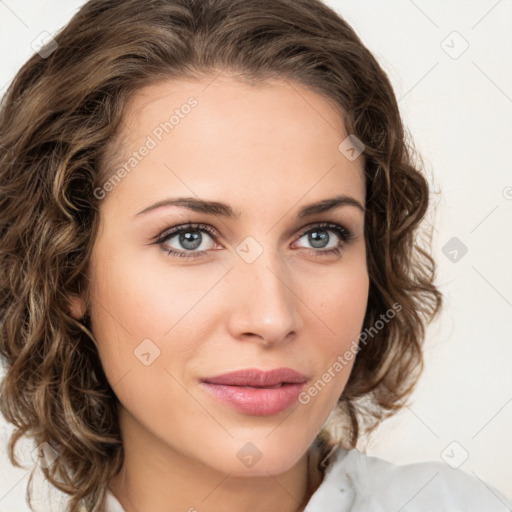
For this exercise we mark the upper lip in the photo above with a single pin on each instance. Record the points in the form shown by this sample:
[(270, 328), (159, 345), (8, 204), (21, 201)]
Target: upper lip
[(258, 378)]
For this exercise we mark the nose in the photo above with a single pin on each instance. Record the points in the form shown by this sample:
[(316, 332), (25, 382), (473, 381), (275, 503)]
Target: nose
[(264, 305)]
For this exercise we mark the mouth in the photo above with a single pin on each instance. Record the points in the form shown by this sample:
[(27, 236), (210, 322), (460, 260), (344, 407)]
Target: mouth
[(263, 387), (256, 392), (253, 377)]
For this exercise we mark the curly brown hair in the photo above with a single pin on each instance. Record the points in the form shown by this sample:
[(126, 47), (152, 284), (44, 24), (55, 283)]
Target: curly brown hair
[(58, 121)]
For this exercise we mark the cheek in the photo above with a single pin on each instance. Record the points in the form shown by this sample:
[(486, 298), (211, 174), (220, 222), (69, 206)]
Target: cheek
[(132, 310), (143, 298), (342, 301), (341, 308), (133, 301)]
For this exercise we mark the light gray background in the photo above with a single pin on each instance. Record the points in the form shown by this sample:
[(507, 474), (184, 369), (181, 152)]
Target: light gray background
[(458, 108)]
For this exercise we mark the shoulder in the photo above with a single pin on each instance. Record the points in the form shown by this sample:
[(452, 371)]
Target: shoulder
[(432, 485), (364, 482)]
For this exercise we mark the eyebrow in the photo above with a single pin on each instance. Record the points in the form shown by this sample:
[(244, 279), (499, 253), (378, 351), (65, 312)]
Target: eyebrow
[(225, 210)]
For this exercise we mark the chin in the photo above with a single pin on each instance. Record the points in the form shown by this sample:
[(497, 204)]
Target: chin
[(259, 457)]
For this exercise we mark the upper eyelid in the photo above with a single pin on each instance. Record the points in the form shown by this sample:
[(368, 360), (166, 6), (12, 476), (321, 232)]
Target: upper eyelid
[(324, 225), (170, 232), (181, 227)]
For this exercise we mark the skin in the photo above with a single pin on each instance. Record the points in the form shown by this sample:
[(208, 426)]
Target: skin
[(267, 151)]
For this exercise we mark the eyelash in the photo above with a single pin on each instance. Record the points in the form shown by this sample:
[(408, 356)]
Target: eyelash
[(345, 235)]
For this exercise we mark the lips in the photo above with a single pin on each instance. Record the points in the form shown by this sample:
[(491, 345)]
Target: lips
[(260, 379), (255, 392)]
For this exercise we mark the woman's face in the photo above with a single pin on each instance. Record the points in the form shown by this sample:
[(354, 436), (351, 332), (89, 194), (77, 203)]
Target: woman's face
[(256, 286)]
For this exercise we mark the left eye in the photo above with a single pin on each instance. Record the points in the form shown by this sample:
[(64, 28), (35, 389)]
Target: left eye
[(318, 236), (190, 237)]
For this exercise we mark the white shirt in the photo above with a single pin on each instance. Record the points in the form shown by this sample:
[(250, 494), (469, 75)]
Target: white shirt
[(356, 482)]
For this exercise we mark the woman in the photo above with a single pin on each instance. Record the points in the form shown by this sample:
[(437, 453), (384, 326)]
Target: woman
[(210, 263)]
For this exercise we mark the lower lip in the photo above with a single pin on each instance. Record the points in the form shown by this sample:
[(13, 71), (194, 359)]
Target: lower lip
[(256, 401)]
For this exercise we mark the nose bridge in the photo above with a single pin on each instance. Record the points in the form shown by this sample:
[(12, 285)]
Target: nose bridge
[(265, 304)]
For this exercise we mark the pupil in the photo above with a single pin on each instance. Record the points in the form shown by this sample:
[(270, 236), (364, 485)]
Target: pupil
[(190, 240), (317, 238)]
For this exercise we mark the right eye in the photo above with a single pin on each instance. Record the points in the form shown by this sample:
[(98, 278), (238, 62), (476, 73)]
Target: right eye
[(190, 237)]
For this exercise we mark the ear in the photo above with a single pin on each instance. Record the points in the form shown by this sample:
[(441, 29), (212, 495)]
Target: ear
[(77, 306)]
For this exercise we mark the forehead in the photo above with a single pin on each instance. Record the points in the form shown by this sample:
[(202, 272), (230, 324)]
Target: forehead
[(210, 134), (225, 97)]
